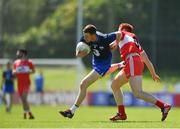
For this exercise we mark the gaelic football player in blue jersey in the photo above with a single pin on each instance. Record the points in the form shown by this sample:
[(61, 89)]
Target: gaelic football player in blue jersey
[(101, 46), (8, 86)]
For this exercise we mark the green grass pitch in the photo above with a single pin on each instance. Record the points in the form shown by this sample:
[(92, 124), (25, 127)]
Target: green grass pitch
[(88, 117)]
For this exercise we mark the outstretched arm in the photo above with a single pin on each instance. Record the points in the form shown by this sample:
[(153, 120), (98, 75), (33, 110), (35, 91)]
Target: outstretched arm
[(115, 66), (150, 66), (114, 44), (118, 36)]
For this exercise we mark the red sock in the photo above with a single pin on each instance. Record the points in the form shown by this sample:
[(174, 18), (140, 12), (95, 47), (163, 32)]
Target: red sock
[(121, 110), (160, 104)]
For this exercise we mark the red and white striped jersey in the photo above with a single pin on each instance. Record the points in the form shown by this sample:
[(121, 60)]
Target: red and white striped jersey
[(22, 68), (128, 44)]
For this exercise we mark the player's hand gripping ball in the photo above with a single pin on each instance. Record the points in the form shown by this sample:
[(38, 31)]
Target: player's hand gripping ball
[(83, 47)]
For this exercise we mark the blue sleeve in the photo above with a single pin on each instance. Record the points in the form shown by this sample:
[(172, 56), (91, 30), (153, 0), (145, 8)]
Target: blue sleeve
[(110, 37)]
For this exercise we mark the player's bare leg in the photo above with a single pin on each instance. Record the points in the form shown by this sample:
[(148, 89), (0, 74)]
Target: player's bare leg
[(85, 83), (7, 99), (136, 86), (26, 107), (117, 83), (8, 102), (4, 100)]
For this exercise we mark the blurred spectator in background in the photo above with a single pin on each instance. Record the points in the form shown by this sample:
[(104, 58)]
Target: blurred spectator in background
[(7, 86), (39, 85)]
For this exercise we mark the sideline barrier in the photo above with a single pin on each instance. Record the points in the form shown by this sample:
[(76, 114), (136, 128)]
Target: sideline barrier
[(99, 98), (107, 99)]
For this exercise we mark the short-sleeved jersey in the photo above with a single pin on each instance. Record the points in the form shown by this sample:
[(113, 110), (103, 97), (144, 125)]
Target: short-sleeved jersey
[(128, 44), (8, 77), (22, 68), (100, 48)]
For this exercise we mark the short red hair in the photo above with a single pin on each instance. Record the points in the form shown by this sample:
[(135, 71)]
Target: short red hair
[(126, 26)]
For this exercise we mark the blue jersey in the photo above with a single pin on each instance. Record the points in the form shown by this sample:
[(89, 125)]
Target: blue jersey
[(8, 85), (101, 51)]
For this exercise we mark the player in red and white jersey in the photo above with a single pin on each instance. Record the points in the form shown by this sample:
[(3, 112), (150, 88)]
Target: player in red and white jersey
[(135, 57), (130, 51), (22, 68)]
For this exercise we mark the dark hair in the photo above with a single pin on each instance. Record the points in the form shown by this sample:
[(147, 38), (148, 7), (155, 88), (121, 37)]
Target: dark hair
[(89, 29), (128, 27), (24, 51)]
